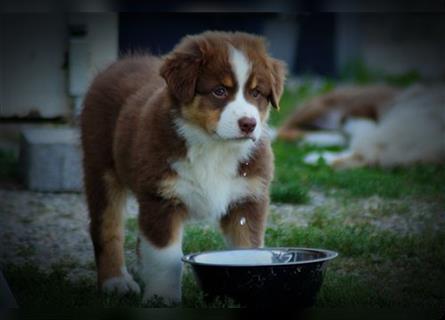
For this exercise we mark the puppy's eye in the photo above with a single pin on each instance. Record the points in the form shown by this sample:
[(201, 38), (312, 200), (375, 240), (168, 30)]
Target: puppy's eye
[(255, 93), (220, 92)]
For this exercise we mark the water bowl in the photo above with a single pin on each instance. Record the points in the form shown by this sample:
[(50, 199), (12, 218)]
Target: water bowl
[(265, 277)]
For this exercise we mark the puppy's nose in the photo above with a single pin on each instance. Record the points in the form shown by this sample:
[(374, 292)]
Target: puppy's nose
[(247, 125)]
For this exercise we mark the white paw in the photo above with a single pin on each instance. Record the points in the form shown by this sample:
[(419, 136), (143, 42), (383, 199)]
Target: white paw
[(121, 285)]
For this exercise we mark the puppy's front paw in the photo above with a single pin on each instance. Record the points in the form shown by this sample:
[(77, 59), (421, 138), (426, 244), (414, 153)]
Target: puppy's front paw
[(121, 285)]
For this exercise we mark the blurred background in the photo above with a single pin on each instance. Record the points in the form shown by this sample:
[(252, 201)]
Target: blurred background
[(48, 59), (50, 53)]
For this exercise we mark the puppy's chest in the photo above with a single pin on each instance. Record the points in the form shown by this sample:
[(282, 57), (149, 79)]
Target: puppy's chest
[(208, 182)]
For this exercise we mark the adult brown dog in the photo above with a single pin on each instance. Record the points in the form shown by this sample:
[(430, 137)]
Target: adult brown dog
[(187, 135)]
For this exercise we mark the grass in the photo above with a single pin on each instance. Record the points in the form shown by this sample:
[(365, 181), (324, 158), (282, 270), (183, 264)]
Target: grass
[(294, 179), (376, 267)]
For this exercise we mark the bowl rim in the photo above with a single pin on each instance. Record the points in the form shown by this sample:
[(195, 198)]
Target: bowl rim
[(329, 256)]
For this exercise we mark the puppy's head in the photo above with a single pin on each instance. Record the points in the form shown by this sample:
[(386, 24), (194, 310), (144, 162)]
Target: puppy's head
[(224, 83)]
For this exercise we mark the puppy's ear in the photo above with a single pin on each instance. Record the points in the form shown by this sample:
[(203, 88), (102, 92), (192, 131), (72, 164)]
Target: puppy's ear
[(278, 71), (181, 68)]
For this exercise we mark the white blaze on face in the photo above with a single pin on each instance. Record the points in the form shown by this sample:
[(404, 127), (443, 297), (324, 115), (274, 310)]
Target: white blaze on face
[(228, 126)]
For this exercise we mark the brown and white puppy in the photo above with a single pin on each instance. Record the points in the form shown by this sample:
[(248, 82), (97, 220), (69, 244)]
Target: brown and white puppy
[(187, 135)]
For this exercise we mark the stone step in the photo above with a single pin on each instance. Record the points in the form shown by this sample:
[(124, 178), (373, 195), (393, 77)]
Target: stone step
[(50, 159)]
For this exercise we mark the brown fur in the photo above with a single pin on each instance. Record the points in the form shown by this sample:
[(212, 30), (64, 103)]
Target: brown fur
[(254, 210), (250, 234), (202, 113), (129, 139), (111, 237), (365, 102)]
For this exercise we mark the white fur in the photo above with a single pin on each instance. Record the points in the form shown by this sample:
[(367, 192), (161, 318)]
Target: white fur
[(208, 179), (122, 284), (228, 123), (413, 130), (161, 270), (324, 139)]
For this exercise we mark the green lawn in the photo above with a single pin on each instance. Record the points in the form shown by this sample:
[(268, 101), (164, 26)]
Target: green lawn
[(294, 178), (377, 267)]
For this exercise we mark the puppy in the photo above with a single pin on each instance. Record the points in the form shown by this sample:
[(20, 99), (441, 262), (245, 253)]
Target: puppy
[(187, 135)]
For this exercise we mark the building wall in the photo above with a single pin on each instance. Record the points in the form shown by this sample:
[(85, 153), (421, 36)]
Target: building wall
[(101, 38), (394, 43), (32, 73), (348, 38), (282, 34), (91, 52), (402, 42), (35, 58)]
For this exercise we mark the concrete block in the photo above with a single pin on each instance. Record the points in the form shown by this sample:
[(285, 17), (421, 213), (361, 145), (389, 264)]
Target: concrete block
[(50, 159)]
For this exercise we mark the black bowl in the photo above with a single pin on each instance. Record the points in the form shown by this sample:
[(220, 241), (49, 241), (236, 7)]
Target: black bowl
[(266, 277)]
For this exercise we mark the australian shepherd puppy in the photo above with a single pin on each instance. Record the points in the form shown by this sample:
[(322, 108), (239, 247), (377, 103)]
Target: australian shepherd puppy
[(187, 135)]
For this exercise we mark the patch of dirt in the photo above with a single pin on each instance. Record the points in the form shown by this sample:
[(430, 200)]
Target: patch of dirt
[(406, 215), (49, 230)]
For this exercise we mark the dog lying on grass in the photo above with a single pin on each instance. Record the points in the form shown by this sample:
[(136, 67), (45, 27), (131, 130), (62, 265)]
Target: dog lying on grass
[(386, 126)]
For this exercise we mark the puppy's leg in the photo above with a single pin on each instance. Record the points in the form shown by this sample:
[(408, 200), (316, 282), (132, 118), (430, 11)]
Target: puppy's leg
[(106, 199), (160, 249), (244, 225)]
